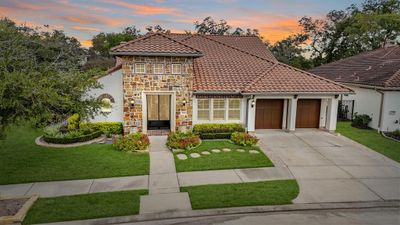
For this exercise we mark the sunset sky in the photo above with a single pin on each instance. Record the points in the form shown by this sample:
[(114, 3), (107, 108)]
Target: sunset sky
[(275, 19)]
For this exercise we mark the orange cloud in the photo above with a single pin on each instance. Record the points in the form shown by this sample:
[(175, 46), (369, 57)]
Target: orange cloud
[(144, 9), (94, 20), (82, 28), (86, 43)]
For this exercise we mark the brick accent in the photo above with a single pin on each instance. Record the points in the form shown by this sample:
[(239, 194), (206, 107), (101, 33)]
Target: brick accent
[(135, 84)]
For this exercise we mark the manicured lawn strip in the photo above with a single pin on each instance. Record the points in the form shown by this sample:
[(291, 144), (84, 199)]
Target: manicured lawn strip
[(222, 160), (277, 192), (87, 206), (22, 161), (372, 139)]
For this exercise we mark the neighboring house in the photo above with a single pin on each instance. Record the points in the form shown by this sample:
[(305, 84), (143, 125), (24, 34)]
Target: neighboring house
[(375, 77), (172, 81)]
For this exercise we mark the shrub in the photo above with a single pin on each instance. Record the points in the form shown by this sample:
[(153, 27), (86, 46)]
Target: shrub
[(180, 140), (217, 130), (106, 127), (52, 130), (244, 139), (361, 121), (73, 122), (132, 142), (396, 133), (71, 137)]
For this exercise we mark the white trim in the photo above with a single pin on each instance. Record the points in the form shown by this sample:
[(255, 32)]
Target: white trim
[(144, 108), (135, 69), (172, 68), (162, 70), (211, 120)]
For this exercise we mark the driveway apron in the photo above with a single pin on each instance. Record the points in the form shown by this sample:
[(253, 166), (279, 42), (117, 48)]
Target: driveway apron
[(331, 168)]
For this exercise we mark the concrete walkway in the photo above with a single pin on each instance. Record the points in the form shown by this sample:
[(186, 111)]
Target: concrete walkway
[(164, 194), (73, 187), (332, 168)]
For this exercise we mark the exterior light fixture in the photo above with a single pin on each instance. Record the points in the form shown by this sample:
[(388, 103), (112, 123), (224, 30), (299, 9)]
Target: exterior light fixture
[(295, 96), (184, 102), (132, 102), (336, 96), (253, 103)]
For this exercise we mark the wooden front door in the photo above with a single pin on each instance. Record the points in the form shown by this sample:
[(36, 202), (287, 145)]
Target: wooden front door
[(158, 112), (308, 113), (269, 113)]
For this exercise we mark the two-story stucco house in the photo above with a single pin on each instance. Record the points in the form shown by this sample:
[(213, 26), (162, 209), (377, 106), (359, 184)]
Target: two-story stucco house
[(173, 81)]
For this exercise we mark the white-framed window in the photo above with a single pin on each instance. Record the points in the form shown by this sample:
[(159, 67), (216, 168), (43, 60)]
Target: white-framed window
[(106, 105), (203, 109), (158, 68), (140, 68), (218, 109), (176, 68), (234, 109)]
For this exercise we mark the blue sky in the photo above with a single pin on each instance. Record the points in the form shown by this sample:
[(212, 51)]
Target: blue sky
[(83, 19)]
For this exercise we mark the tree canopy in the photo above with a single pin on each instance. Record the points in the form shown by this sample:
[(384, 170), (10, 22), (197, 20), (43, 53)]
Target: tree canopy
[(40, 76)]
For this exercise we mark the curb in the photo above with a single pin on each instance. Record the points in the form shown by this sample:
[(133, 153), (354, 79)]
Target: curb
[(235, 211)]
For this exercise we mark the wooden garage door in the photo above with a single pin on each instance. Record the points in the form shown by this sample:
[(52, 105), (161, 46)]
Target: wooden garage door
[(308, 112), (269, 113)]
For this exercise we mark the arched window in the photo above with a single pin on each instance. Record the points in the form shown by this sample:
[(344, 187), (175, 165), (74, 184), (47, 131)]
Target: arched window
[(107, 102)]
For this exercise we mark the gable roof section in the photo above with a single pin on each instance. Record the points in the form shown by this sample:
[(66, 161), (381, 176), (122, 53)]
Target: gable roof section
[(155, 44), (375, 68)]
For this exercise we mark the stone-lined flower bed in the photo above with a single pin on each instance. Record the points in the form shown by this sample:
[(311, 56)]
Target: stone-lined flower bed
[(180, 141), (216, 151), (395, 135)]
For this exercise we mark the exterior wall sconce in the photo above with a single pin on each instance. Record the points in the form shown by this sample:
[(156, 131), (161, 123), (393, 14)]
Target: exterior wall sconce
[(132, 102), (295, 96), (184, 102), (336, 96), (253, 103)]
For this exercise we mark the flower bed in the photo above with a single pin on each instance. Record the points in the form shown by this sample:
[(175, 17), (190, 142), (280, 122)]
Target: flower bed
[(132, 142), (57, 134), (217, 130), (180, 140), (394, 135), (70, 140), (244, 139), (108, 128)]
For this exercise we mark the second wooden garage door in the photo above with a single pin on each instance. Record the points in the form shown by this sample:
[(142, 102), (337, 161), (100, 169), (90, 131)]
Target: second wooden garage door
[(269, 113), (308, 111)]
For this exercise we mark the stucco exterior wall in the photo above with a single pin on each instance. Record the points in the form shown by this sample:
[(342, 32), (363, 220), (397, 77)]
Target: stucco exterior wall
[(112, 85), (366, 101), (391, 111), (135, 87)]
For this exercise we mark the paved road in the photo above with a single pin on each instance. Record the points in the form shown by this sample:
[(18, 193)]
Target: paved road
[(385, 216), (332, 168)]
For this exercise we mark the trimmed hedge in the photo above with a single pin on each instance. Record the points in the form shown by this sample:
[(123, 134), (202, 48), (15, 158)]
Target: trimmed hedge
[(105, 127), (217, 130), (64, 140)]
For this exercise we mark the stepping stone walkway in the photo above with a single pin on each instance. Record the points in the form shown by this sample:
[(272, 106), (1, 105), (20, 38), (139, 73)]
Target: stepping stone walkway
[(216, 150), (226, 150), (240, 150), (181, 156), (254, 152), (195, 155), (205, 153)]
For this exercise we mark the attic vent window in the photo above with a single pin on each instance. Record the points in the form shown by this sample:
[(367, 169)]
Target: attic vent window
[(140, 68), (176, 68)]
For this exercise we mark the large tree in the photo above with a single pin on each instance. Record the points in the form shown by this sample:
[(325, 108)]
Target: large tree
[(40, 76), (221, 27)]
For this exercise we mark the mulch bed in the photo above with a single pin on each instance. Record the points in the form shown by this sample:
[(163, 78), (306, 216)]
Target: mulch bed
[(9, 207), (391, 135)]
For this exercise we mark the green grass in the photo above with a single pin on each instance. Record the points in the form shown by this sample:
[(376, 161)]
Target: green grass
[(21, 160), (87, 206), (222, 160), (277, 192), (372, 139)]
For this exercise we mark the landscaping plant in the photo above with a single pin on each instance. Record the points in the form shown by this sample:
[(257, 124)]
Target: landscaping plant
[(244, 139), (361, 121), (181, 140), (105, 127), (73, 122), (217, 130), (132, 142)]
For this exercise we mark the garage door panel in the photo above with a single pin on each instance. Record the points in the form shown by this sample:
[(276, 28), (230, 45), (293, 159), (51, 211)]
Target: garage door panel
[(308, 113), (269, 113)]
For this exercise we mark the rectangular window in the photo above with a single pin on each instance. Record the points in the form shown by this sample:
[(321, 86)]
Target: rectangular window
[(203, 109), (158, 68), (234, 109), (219, 109), (140, 68), (176, 69)]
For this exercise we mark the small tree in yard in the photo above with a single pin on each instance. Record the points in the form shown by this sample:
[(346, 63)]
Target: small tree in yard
[(40, 78)]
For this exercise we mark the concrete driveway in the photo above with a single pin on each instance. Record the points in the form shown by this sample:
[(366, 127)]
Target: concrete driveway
[(332, 168)]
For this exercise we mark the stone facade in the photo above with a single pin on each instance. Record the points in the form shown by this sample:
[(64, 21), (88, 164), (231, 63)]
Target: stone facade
[(136, 85)]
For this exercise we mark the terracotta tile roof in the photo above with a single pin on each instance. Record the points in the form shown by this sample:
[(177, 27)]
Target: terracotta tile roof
[(375, 68), (155, 44), (235, 64)]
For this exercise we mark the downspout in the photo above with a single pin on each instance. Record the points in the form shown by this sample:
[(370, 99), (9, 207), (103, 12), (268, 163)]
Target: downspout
[(380, 109), (247, 114)]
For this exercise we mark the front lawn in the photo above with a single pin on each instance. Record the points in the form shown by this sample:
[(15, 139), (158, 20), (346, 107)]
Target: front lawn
[(87, 206), (277, 192), (22, 161), (372, 139), (222, 160)]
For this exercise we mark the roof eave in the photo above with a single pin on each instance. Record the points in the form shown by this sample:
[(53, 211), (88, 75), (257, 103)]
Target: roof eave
[(156, 54), (297, 93), (375, 87)]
